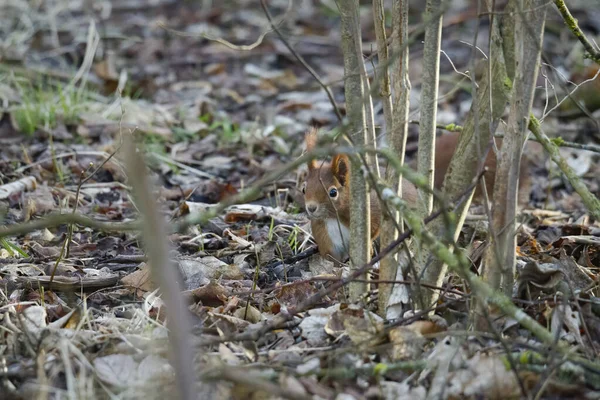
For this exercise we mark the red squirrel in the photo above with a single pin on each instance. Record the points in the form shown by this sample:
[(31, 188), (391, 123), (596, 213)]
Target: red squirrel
[(327, 193)]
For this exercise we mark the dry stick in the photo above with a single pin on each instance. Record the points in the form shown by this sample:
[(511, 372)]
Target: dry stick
[(59, 219), (558, 141), (246, 377), (84, 181), (71, 228), (371, 134), (249, 293), (302, 61), (591, 202), (379, 281), (65, 249), (226, 43), (292, 259), (574, 27), (164, 272), (401, 92)]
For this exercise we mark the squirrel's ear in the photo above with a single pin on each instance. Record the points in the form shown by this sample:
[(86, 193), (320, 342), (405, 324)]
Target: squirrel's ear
[(311, 139), (340, 166)]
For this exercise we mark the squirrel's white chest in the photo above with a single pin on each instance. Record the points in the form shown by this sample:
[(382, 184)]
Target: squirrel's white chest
[(339, 235)]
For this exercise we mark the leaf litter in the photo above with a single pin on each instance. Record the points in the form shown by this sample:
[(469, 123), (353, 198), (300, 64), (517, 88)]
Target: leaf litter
[(79, 313)]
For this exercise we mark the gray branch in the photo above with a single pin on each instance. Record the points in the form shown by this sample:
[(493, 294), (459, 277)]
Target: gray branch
[(527, 37), (360, 240), (397, 135)]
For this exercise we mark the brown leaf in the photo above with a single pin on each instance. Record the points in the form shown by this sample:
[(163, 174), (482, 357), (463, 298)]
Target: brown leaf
[(140, 280), (233, 217), (39, 202), (212, 295), (362, 326), (295, 293), (250, 314)]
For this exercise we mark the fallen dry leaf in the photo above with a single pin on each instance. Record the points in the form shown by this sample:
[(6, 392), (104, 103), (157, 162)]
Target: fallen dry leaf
[(140, 281)]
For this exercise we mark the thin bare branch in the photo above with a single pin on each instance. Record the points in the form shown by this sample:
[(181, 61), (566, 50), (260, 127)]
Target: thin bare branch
[(571, 22), (164, 272)]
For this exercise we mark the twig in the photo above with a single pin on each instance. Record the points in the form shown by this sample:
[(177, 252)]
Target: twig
[(558, 141), (448, 127), (245, 377), (302, 61), (371, 370), (59, 219), (571, 22), (70, 283), (62, 155), (183, 166), (569, 95), (394, 281), (222, 41), (85, 180), (591, 202), (383, 54), (71, 229), (293, 259)]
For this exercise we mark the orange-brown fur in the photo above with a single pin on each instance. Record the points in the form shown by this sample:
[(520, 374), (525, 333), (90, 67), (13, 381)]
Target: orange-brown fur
[(445, 146), (324, 176)]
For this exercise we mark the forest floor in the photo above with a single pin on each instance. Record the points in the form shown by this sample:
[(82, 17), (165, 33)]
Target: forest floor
[(80, 316)]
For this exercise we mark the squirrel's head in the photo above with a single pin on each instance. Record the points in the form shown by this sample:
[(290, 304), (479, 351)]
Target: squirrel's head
[(326, 189)]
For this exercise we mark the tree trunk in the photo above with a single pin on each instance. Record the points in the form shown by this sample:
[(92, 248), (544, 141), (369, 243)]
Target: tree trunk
[(360, 236), (429, 94), (397, 135), (527, 34)]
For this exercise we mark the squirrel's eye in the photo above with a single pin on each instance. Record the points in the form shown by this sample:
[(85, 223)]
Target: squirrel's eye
[(333, 192), (303, 189)]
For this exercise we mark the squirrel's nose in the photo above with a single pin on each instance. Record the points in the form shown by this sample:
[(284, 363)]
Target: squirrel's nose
[(311, 208)]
